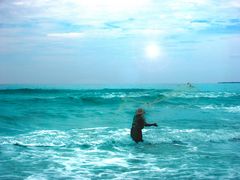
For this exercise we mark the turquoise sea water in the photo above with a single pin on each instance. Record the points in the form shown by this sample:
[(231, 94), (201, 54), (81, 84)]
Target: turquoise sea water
[(73, 132)]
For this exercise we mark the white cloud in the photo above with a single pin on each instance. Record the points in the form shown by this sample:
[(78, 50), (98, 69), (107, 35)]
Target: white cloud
[(234, 3), (146, 32), (129, 17), (66, 35), (31, 3)]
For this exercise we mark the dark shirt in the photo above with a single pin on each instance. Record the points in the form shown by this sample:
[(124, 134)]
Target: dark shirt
[(138, 122)]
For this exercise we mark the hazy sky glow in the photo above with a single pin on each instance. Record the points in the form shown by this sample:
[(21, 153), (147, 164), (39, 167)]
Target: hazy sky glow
[(125, 41)]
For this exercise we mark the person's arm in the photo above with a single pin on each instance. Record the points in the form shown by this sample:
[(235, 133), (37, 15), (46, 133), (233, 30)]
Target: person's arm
[(149, 124)]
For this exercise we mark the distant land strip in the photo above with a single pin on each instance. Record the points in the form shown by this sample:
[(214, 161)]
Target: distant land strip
[(227, 82)]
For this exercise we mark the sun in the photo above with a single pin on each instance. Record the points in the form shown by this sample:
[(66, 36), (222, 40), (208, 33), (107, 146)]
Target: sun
[(152, 51)]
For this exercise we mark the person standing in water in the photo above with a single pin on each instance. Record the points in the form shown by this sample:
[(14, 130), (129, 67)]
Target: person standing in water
[(138, 124)]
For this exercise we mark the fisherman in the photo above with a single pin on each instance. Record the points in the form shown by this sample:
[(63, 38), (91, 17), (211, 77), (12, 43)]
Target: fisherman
[(138, 124)]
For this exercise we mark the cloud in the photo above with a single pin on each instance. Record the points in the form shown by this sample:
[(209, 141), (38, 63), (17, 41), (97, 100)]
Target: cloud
[(77, 18), (234, 3), (66, 35)]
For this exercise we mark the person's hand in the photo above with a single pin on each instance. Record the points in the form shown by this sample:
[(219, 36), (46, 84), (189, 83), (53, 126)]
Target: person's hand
[(155, 124)]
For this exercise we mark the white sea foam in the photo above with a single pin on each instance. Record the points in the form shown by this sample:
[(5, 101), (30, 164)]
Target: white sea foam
[(124, 95), (111, 151), (37, 177), (232, 109), (183, 130), (185, 94), (93, 138), (209, 107)]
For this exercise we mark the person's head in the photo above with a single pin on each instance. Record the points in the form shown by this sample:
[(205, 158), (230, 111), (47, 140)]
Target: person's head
[(140, 111)]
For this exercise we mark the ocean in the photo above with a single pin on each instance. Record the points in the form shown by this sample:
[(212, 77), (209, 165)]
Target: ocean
[(83, 132)]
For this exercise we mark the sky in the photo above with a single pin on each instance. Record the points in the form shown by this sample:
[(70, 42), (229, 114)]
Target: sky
[(119, 41)]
